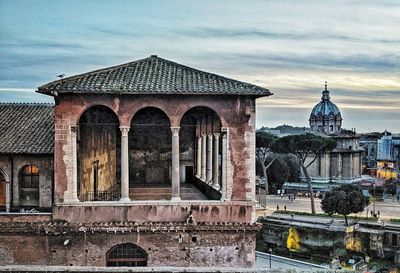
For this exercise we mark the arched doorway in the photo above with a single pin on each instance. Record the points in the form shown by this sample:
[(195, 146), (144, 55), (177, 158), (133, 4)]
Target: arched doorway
[(200, 150), (3, 191), (29, 186), (126, 255), (150, 155), (99, 155)]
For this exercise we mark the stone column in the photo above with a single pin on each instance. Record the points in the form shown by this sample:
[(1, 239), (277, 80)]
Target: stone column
[(198, 161), (203, 157), (224, 163), (209, 159), (215, 182), (8, 196), (124, 164), (175, 165), (71, 196)]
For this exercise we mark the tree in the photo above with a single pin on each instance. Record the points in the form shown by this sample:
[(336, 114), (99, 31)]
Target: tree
[(303, 147), (263, 141), (344, 200)]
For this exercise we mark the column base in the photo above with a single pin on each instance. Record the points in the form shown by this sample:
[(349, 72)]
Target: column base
[(70, 200), (175, 198), (125, 199), (217, 187)]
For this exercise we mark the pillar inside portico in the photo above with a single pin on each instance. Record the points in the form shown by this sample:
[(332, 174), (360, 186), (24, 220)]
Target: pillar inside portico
[(224, 163), (70, 195), (198, 157), (209, 159), (215, 174), (175, 165), (203, 156), (124, 164)]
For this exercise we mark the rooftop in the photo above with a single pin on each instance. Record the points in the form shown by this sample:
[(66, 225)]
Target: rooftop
[(152, 75), (26, 128)]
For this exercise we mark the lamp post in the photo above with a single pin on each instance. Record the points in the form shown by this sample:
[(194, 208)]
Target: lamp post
[(270, 256)]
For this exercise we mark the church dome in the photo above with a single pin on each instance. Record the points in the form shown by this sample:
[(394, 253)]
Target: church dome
[(325, 107), (325, 116)]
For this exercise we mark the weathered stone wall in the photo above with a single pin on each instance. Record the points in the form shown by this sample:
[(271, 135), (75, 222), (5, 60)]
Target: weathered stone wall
[(323, 242), (191, 248), (12, 166), (156, 211)]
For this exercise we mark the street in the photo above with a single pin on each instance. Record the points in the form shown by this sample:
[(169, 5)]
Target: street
[(387, 209)]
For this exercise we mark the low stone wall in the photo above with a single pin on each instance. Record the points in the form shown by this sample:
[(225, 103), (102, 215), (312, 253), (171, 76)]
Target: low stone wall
[(76, 269), (174, 244), (155, 211)]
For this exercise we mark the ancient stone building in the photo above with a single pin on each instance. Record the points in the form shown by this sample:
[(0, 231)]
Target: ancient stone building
[(344, 163), (26, 156), (153, 165)]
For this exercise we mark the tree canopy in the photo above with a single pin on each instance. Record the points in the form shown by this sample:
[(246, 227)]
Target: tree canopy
[(304, 146), (344, 200), (263, 142)]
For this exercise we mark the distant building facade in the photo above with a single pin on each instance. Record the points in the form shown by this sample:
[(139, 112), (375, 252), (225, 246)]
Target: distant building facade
[(343, 164), (146, 163), (388, 156)]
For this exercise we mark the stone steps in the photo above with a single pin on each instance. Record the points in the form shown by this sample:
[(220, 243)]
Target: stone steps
[(188, 192)]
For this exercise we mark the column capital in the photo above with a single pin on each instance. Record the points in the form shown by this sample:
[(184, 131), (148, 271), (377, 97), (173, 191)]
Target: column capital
[(124, 130), (216, 135), (175, 131), (210, 136), (203, 135), (224, 130)]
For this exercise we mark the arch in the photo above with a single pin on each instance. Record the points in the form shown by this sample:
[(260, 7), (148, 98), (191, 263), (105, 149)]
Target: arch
[(145, 108), (3, 189), (99, 154), (150, 141), (200, 149), (29, 180), (89, 108), (126, 254), (208, 109)]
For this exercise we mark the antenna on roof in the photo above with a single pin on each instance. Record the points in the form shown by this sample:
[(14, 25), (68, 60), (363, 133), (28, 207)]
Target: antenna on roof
[(326, 86)]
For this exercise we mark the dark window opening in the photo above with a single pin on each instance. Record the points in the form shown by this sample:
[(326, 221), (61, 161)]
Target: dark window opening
[(126, 255), (331, 127), (394, 239), (29, 182), (30, 177)]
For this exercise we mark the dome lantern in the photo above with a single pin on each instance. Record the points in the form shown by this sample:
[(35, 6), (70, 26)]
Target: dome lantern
[(325, 116)]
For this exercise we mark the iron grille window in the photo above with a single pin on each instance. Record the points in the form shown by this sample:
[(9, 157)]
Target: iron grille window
[(126, 255)]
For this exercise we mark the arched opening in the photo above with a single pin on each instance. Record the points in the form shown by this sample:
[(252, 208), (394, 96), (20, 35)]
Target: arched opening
[(126, 255), (29, 186), (200, 151), (150, 155), (99, 155), (3, 191)]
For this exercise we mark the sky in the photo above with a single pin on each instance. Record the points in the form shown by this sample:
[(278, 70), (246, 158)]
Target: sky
[(288, 46)]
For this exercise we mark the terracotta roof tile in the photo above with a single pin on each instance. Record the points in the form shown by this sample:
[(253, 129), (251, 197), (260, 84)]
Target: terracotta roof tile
[(152, 75), (26, 128)]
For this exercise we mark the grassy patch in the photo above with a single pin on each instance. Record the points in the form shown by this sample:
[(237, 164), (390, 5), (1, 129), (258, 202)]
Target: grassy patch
[(395, 220), (337, 216)]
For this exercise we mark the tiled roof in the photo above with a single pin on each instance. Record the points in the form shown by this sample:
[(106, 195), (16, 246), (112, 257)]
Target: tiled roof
[(26, 128), (152, 75)]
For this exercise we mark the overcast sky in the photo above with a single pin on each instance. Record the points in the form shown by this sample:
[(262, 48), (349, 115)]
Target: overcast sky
[(290, 47)]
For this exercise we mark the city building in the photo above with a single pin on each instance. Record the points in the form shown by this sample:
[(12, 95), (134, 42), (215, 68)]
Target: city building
[(388, 157), (369, 142), (145, 163), (341, 165)]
